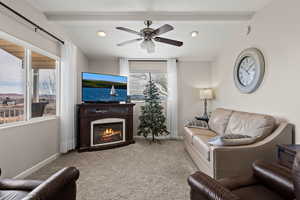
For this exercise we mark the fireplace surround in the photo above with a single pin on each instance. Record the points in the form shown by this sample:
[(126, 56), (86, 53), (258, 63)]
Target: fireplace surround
[(104, 126), (107, 131)]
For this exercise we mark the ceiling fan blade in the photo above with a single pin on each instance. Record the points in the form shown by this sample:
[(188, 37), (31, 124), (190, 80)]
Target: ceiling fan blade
[(128, 30), (130, 41), (169, 41), (163, 29)]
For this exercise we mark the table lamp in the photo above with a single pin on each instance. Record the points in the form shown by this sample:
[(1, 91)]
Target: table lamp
[(206, 94)]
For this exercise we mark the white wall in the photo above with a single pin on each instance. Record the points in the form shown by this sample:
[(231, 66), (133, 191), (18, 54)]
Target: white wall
[(191, 76), (82, 66), (276, 32), (17, 27), (24, 146)]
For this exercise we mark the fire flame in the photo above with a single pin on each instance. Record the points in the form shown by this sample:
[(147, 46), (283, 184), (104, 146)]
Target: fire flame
[(110, 132)]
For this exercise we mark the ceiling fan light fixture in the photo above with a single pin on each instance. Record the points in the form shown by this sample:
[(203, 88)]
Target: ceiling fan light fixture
[(151, 49), (143, 44), (148, 45)]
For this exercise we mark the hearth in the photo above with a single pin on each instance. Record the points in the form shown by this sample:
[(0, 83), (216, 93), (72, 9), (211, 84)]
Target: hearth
[(107, 131)]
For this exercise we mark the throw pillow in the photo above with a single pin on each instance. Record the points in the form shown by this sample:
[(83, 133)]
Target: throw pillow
[(231, 140), (197, 124)]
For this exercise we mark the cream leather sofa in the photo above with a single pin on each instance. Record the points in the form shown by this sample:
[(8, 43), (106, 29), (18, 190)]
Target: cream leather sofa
[(224, 161)]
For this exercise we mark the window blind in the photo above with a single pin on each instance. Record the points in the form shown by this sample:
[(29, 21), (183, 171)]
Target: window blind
[(147, 66)]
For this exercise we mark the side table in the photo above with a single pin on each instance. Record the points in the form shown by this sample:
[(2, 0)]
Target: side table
[(286, 154)]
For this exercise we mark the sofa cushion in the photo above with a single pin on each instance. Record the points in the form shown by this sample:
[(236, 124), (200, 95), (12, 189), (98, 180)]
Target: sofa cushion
[(219, 120), (200, 142), (255, 125), (189, 133)]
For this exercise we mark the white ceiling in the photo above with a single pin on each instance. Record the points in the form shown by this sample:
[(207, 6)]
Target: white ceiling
[(216, 20), (204, 47), (149, 5)]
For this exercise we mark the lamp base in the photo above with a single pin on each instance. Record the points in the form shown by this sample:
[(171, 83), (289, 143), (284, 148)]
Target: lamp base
[(204, 116)]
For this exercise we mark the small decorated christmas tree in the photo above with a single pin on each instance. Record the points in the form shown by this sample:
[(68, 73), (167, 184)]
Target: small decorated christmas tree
[(152, 119)]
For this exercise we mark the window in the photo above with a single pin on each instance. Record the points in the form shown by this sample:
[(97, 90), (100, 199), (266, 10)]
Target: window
[(28, 81), (139, 75), (12, 81), (44, 85)]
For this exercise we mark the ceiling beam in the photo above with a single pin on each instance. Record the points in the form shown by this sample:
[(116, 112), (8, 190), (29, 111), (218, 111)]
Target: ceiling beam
[(156, 16)]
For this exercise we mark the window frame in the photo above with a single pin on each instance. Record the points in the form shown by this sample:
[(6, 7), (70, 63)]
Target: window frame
[(28, 48)]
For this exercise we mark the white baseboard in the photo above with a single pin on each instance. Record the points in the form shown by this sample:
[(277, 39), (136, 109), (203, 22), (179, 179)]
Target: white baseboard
[(161, 137), (36, 167)]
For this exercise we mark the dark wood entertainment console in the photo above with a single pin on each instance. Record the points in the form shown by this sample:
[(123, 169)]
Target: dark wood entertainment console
[(88, 113)]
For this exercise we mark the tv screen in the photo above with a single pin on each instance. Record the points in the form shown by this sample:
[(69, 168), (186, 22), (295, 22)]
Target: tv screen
[(103, 88)]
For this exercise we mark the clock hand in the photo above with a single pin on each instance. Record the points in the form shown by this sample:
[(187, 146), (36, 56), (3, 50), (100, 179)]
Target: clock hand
[(250, 67), (245, 71)]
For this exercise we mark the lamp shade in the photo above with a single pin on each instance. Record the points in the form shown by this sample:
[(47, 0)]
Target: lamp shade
[(206, 93)]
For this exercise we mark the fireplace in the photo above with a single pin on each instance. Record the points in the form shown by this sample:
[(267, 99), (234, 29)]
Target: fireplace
[(107, 131), (104, 126)]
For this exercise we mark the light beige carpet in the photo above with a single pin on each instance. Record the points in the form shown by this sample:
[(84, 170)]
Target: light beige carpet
[(136, 172)]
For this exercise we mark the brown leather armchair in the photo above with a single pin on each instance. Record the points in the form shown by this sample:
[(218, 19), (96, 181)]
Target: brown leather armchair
[(268, 182), (60, 186)]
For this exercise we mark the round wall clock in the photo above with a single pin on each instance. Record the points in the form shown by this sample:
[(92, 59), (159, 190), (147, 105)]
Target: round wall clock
[(249, 70)]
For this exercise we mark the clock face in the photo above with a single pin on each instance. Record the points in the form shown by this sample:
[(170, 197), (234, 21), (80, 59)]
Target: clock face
[(247, 71)]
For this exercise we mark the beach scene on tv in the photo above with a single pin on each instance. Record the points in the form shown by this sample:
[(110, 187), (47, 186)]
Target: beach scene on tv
[(103, 88)]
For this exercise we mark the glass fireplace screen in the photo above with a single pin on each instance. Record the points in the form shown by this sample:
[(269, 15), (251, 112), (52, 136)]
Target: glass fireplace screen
[(107, 133)]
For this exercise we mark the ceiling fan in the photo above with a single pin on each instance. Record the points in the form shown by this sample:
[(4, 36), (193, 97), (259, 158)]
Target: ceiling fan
[(149, 34)]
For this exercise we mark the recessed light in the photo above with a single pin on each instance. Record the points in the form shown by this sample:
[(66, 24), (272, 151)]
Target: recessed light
[(101, 33), (194, 33)]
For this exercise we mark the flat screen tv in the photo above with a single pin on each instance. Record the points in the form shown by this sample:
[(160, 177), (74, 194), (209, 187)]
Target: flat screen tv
[(103, 88)]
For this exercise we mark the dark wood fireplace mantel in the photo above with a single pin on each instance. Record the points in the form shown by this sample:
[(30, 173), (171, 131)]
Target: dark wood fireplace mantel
[(88, 113)]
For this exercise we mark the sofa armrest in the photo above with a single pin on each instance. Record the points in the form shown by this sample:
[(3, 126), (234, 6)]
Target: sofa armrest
[(262, 150), (275, 176), (15, 184), (208, 188), (57, 184)]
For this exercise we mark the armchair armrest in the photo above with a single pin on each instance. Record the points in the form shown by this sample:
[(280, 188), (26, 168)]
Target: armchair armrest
[(296, 174), (62, 184), (275, 176), (203, 186), (236, 182), (15, 184)]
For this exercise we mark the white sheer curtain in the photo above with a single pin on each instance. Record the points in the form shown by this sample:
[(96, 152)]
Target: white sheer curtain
[(172, 104), (124, 69), (68, 97)]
